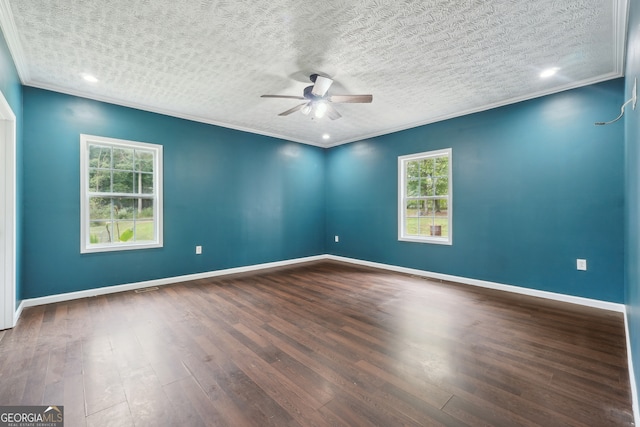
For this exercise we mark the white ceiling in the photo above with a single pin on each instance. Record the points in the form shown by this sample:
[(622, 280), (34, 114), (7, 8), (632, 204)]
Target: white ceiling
[(210, 60)]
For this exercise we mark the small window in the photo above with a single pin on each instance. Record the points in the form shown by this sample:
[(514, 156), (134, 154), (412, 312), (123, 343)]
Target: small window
[(425, 195), (121, 194)]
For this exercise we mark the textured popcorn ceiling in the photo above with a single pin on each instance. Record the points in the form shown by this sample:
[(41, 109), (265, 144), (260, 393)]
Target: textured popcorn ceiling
[(210, 60)]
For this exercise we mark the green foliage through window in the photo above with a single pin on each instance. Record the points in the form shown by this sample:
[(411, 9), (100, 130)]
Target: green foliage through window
[(121, 190), (425, 196)]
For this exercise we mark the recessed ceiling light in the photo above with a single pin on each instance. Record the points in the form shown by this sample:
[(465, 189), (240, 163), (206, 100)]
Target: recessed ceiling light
[(326, 136), (89, 77), (548, 72)]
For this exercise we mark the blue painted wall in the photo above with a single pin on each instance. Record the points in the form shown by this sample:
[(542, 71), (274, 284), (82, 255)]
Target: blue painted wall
[(12, 91), (536, 186), (247, 199), (632, 189)]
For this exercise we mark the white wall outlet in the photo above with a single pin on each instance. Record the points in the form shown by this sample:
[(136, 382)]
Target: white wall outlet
[(337, 239), (198, 250), (582, 264)]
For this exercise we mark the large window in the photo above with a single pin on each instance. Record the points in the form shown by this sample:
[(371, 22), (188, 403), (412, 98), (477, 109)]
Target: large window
[(425, 195), (121, 194)]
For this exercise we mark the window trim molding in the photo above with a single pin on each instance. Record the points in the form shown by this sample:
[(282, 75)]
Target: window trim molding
[(85, 246), (402, 160)]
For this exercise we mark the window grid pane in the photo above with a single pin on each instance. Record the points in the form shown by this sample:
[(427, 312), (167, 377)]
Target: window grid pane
[(425, 210), (120, 182)]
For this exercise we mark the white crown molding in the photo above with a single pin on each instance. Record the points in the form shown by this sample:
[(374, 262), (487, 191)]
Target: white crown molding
[(81, 94), (142, 107), (569, 86), (8, 26), (621, 12), (610, 20)]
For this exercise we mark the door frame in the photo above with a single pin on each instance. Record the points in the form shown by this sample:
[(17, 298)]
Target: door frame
[(7, 214)]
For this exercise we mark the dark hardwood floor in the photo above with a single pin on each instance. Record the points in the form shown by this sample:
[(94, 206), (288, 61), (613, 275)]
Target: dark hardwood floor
[(319, 344)]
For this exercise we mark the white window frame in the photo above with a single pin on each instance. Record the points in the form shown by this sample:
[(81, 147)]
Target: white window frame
[(85, 245), (402, 198)]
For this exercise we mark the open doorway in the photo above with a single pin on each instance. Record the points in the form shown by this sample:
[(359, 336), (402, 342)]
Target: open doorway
[(7, 215)]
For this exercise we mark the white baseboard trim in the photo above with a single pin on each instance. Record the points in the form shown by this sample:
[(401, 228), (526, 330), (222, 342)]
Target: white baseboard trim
[(605, 305), (17, 313), (632, 377), (31, 302)]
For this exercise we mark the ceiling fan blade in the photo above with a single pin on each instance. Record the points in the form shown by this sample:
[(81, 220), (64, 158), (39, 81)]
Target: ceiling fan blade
[(282, 96), (332, 113), (321, 85), (292, 110), (352, 99)]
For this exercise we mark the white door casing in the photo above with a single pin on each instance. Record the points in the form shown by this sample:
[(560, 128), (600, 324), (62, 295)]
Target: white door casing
[(7, 215)]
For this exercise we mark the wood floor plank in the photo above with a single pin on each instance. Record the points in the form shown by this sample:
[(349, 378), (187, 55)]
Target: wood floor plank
[(72, 399), (14, 369), (423, 390), (190, 405), (102, 384), (475, 415), (117, 415), (301, 374), (323, 343), (146, 398), (293, 398), (225, 406), (253, 401), (539, 412), (35, 381)]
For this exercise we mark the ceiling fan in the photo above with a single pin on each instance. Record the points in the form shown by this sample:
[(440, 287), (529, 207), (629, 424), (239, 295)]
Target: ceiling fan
[(318, 100)]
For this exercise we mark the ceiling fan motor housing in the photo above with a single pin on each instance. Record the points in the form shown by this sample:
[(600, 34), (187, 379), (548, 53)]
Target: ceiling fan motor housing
[(310, 96), (317, 98)]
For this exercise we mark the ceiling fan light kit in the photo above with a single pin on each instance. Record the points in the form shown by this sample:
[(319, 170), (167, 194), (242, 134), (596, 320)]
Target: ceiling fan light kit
[(321, 109), (319, 101), (320, 84)]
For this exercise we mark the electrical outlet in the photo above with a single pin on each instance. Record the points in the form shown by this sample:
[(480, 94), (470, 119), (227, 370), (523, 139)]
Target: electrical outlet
[(198, 250), (582, 264), (337, 239)]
